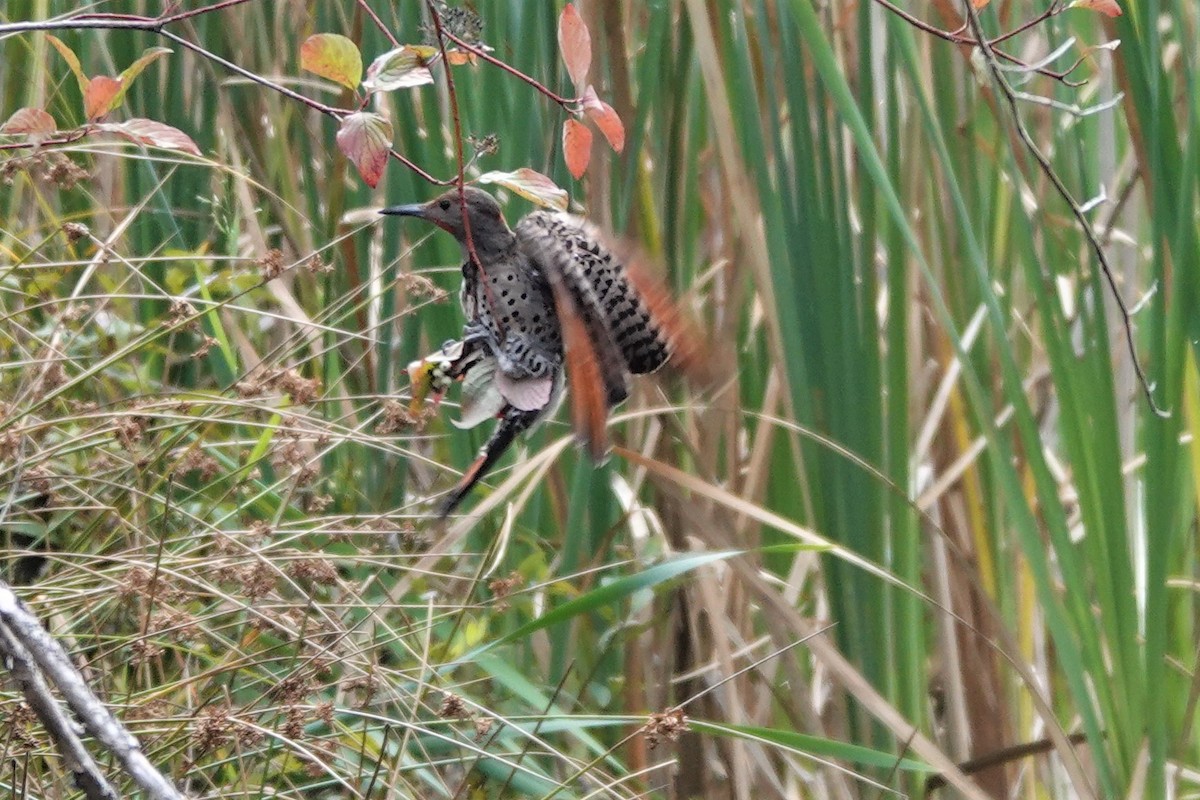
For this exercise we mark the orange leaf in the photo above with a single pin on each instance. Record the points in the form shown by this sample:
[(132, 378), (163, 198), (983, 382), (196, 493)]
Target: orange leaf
[(1107, 7), (575, 44), (606, 119), (152, 133), (366, 139), (332, 56), (100, 95), (33, 121), (577, 146)]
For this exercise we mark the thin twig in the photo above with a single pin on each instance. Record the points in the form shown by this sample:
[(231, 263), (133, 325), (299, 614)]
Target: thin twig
[(989, 57), (156, 25), (379, 23), (458, 152), (565, 102), (956, 37)]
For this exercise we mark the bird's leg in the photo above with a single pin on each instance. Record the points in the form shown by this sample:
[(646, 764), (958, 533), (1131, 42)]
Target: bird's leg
[(512, 423)]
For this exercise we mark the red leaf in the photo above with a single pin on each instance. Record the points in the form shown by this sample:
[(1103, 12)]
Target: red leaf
[(606, 119), (33, 121), (100, 95), (154, 134), (1107, 7), (577, 146), (332, 56), (366, 139), (531, 185), (575, 44)]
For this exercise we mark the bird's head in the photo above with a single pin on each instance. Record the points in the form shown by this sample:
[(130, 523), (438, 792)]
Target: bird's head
[(488, 228)]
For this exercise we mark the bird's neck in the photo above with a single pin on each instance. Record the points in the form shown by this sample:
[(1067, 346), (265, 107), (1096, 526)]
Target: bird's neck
[(490, 245)]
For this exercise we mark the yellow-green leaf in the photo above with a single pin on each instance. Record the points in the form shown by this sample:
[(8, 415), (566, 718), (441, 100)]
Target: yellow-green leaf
[(72, 60), (332, 56), (149, 55)]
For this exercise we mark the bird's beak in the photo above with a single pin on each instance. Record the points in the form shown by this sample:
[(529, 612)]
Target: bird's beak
[(412, 210)]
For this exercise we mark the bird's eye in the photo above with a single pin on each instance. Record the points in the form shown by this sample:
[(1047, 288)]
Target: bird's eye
[(444, 205)]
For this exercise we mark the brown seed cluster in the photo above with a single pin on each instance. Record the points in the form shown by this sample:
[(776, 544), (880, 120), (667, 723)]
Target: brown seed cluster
[(257, 579), (271, 264), (290, 692), (395, 417), (503, 587), (214, 728), (670, 724), (318, 570), (174, 624), (74, 231), (362, 688), (49, 166), (316, 265), (299, 389), (194, 459), (18, 723), (420, 286), (453, 707)]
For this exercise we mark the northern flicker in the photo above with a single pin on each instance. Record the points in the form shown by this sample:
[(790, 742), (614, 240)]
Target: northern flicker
[(542, 299)]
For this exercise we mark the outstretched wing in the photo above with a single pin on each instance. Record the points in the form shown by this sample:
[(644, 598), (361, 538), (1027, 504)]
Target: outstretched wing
[(575, 248), (595, 365)]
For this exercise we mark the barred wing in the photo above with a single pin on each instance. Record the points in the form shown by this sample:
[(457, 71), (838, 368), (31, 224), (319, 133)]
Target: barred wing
[(575, 249)]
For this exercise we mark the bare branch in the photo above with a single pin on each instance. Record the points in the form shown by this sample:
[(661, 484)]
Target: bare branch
[(27, 643), (1002, 86)]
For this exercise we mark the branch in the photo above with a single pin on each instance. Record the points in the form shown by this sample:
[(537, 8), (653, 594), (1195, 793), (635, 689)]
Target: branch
[(156, 25), (565, 102), (989, 57), (88, 778), (472, 256), (33, 652), (956, 37)]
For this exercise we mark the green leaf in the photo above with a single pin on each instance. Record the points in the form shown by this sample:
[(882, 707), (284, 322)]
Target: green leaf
[(332, 56), (402, 68), (811, 745), (611, 592)]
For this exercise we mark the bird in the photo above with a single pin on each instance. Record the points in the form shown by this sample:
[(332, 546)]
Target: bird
[(548, 302)]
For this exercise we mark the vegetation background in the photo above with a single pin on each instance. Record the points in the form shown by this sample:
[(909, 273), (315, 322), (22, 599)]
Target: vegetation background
[(210, 501)]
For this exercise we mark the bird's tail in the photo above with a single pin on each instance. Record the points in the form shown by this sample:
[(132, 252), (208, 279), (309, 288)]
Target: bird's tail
[(511, 425)]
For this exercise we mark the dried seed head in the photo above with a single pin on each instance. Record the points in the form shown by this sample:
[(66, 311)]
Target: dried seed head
[(669, 724)]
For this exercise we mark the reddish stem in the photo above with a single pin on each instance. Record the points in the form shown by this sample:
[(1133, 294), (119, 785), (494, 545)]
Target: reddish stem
[(488, 57), (458, 152), (378, 22)]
